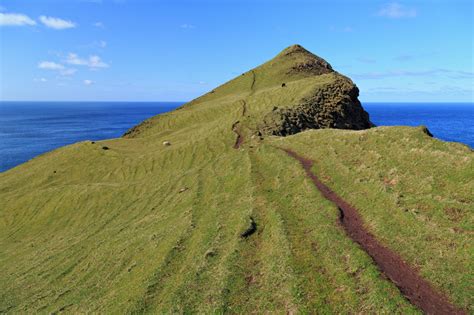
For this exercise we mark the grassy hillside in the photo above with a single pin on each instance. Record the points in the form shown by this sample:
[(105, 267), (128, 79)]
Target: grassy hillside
[(143, 227)]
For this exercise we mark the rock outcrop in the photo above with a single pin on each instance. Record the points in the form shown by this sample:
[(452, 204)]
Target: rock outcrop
[(334, 106)]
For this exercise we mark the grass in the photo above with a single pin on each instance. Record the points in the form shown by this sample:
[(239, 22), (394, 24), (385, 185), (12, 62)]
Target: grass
[(415, 195), (84, 229)]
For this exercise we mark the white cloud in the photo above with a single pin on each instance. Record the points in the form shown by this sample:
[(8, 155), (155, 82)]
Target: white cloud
[(102, 44), (96, 62), (366, 60), (187, 26), (15, 19), (62, 70), (40, 80), (73, 59), (452, 74), (92, 62), (88, 82), (395, 10), (49, 65), (56, 23), (98, 24)]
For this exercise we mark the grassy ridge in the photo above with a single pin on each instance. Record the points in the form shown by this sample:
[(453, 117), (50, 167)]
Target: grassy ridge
[(143, 227), (414, 194)]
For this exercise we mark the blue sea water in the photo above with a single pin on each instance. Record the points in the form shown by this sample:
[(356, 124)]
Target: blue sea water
[(28, 129), (446, 121)]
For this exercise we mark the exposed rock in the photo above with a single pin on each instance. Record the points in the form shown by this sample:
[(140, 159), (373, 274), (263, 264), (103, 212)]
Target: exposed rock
[(334, 106), (250, 230), (166, 143), (210, 253), (426, 131), (312, 64)]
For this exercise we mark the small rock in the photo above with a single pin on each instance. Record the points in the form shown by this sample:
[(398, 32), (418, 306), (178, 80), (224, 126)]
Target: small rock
[(166, 143), (183, 189), (210, 253), (105, 148), (250, 230), (283, 84)]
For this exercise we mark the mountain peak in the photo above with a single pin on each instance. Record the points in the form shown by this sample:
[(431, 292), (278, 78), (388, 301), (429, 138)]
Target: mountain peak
[(304, 60), (296, 48)]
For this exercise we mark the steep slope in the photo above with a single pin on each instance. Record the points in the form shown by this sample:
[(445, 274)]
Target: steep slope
[(144, 227), (294, 91)]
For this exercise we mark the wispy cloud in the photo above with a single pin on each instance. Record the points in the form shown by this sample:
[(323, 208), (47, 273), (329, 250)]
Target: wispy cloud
[(366, 60), (453, 74), (99, 24), (395, 10), (409, 57), (88, 82), (49, 65), (403, 57), (92, 62), (102, 44), (345, 29), (348, 29), (434, 90), (56, 23), (61, 69), (42, 80), (15, 19), (187, 26)]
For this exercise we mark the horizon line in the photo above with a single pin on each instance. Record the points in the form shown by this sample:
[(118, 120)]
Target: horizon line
[(114, 101)]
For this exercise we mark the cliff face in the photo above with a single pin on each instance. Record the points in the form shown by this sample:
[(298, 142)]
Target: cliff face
[(334, 106)]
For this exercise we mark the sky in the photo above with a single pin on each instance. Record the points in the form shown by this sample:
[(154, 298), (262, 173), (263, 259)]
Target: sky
[(144, 50)]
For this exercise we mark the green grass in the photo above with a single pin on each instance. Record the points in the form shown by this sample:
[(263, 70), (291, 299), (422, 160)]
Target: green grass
[(89, 230), (414, 193)]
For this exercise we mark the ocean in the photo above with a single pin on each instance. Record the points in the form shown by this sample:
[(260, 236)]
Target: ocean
[(28, 129)]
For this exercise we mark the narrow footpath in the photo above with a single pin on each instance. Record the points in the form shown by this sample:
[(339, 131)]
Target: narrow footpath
[(416, 289)]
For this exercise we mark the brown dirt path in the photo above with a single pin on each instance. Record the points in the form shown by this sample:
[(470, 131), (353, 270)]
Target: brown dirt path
[(240, 138), (416, 289)]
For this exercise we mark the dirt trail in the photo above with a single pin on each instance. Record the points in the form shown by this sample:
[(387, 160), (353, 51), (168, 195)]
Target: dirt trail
[(253, 81), (244, 108), (416, 289), (240, 138)]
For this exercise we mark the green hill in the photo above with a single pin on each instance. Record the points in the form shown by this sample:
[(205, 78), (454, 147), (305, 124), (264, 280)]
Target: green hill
[(199, 209)]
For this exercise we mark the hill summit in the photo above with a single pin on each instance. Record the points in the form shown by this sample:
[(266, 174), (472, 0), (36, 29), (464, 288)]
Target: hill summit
[(269, 194), (301, 91)]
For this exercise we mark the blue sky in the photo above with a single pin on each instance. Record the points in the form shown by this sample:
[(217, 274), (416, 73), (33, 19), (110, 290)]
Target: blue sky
[(124, 50)]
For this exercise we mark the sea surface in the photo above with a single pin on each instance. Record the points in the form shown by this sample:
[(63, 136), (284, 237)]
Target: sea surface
[(28, 129)]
